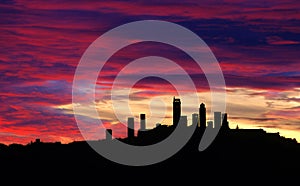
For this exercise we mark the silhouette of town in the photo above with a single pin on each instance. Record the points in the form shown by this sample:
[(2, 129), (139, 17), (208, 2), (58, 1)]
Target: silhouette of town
[(253, 151)]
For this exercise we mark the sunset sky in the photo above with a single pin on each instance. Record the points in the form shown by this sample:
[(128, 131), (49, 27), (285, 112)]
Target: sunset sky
[(256, 42)]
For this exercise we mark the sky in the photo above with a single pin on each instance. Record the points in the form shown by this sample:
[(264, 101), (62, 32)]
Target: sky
[(256, 43)]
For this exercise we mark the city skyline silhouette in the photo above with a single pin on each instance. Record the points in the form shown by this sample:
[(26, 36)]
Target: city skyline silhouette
[(249, 150), (220, 122)]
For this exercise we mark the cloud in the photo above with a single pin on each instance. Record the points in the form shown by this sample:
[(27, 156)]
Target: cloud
[(257, 45), (275, 40), (188, 9)]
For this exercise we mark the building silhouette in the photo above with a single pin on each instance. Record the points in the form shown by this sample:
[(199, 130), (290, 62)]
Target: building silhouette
[(130, 128), (38, 140), (225, 123), (142, 122), (176, 111), (210, 124), (108, 133), (195, 119), (202, 116), (183, 121), (217, 119)]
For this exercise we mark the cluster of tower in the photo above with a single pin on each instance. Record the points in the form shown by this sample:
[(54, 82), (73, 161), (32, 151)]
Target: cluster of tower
[(199, 119), (220, 119)]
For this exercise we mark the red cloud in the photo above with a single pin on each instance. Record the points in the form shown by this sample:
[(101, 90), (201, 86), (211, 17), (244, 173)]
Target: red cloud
[(188, 9), (42, 42)]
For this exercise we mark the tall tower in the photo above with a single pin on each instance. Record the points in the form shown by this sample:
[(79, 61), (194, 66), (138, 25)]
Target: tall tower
[(202, 115), (108, 134), (176, 111), (217, 119), (195, 119), (225, 123), (130, 128), (143, 122)]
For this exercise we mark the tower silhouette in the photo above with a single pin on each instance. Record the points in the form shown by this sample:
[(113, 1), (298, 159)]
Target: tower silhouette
[(183, 121), (108, 134), (202, 115), (130, 128), (143, 122), (176, 111), (210, 124), (225, 123), (217, 119), (195, 119)]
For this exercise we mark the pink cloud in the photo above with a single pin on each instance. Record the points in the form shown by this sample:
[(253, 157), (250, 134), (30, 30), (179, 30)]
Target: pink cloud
[(42, 42), (189, 9), (275, 40)]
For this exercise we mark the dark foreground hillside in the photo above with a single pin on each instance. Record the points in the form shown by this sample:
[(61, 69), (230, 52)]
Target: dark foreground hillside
[(235, 153)]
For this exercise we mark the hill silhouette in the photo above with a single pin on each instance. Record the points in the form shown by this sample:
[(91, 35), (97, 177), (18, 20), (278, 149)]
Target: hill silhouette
[(235, 152)]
